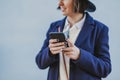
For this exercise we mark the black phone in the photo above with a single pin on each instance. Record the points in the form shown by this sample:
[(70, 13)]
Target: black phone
[(60, 36)]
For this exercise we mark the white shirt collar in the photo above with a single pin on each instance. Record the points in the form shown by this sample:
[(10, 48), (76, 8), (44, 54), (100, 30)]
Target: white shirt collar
[(78, 25)]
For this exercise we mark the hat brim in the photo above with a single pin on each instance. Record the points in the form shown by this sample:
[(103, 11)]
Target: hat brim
[(91, 7)]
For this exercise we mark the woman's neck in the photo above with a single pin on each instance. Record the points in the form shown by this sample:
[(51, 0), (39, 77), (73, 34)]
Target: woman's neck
[(74, 18)]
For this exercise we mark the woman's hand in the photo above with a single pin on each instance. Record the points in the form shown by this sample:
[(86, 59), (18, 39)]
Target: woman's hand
[(55, 46), (72, 51)]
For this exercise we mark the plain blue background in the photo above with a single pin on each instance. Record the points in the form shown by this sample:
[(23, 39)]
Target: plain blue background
[(23, 24)]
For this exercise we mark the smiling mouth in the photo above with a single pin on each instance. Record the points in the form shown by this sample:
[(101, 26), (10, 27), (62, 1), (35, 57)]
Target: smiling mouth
[(62, 9)]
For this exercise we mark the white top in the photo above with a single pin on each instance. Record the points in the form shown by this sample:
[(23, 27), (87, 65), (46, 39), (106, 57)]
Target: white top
[(73, 33)]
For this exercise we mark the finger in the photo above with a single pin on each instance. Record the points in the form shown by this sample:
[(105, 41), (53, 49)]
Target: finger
[(52, 40), (51, 45), (58, 44), (56, 52), (68, 53), (70, 43), (68, 49), (57, 48), (70, 56)]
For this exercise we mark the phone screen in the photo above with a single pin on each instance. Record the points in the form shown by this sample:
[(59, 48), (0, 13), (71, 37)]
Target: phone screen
[(60, 36)]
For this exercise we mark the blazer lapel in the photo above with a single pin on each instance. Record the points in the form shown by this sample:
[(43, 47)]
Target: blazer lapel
[(86, 30), (61, 24)]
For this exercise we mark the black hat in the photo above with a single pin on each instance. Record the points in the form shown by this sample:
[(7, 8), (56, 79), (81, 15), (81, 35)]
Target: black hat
[(91, 7)]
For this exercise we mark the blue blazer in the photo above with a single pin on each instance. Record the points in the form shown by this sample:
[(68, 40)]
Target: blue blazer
[(94, 62)]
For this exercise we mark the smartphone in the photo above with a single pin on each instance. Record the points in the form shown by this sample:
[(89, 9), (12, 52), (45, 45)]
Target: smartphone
[(60, 36)]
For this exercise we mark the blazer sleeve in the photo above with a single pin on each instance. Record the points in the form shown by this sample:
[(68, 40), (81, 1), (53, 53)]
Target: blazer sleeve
[(44, 58), (98, 64)]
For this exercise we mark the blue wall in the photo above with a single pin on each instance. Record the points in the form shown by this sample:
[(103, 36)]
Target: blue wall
[(23, 24)]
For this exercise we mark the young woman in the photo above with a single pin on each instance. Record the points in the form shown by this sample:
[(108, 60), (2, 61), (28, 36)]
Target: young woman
[(87, 57)]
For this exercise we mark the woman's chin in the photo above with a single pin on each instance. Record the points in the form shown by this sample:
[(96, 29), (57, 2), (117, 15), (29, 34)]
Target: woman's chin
[(64, 14)]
